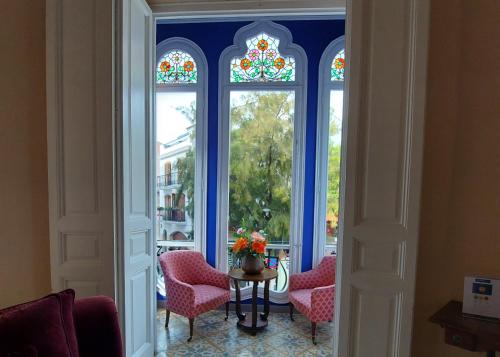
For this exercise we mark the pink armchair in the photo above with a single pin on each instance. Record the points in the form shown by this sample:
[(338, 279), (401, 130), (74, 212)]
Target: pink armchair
[(193, 286), (313, 293)]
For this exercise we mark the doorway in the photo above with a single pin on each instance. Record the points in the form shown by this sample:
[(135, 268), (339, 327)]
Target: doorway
[(255, 139)]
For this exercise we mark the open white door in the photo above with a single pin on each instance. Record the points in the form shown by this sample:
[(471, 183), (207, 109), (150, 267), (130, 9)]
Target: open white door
[(386, 57), (135, 177), (80, 145)]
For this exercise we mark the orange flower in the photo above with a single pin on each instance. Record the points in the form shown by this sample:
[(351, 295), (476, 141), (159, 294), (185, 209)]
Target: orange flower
[(262, 45), (165, 66), (239, 245), (339, 63), (188, 66), (259, 247), (245, 64), (279, 63)]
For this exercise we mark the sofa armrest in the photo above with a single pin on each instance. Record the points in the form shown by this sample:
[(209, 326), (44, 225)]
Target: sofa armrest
[(97, 327)]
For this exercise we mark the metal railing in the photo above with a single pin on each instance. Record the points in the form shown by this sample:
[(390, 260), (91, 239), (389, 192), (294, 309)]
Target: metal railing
[(168, 179), (173, 214)]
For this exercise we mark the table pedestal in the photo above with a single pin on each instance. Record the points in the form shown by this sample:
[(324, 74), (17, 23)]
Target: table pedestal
[(253, 323)]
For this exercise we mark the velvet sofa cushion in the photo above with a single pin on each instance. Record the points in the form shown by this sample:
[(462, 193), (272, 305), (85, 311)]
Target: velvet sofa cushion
[(42, 328)]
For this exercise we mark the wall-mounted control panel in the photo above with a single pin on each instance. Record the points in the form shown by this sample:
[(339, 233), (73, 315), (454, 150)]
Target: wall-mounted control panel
[(481, 297)]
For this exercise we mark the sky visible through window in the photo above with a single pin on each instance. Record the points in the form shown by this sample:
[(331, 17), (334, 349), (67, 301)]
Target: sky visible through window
[(171, 122)]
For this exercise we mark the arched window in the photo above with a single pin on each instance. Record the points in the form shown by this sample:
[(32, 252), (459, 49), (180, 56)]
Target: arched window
[(262, 125), (181, 88), (328, 152)]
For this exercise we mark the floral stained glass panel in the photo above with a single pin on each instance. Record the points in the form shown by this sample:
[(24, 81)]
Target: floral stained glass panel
[(262, 62), (338, 66), (176, 67)]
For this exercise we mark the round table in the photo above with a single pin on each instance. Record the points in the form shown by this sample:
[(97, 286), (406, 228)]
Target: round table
[(253, 325)]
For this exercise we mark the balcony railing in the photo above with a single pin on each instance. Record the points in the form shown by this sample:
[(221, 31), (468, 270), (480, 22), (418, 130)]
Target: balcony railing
[(173, 215), (168, 179)]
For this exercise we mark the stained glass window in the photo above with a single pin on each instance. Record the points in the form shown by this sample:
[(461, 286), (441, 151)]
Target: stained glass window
[(262, 62), (176, 66), (338, 65)]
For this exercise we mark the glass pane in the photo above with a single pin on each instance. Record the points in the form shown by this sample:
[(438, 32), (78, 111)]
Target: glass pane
[(176, 66), (333, 192), (262, 62), (338, 66), (175, 163), (260, 164)]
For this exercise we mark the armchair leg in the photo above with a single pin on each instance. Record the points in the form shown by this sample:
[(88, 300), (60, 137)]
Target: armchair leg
[(227, 311), (313, 331), (191, 324), (290, 305), (167, 318)]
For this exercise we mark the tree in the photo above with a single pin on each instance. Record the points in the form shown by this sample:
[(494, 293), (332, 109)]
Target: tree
[(260, 167), (260, 172), (333, 189)]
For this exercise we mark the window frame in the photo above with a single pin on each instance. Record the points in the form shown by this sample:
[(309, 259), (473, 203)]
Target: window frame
[(201, 90), (325, 86), (299, 86)]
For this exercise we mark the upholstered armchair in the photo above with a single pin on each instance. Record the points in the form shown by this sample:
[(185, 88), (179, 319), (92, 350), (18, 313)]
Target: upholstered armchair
[(192, 286), (313, 293)]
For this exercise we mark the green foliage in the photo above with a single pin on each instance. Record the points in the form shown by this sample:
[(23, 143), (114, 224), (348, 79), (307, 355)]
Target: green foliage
[(261, 162), (260, 173), (334, 151)]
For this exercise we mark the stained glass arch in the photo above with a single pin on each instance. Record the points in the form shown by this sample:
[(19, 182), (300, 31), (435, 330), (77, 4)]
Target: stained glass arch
[(176, 66), (263, 62), (180, 62), (338, 66), (264, 52)]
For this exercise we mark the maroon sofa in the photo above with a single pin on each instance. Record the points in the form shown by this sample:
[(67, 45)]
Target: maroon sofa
[(58, 326)]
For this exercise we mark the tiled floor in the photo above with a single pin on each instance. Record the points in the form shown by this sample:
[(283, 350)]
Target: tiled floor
[(215, 337)]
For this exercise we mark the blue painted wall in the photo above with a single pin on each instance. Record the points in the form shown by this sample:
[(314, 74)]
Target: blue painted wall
[(213, 37)]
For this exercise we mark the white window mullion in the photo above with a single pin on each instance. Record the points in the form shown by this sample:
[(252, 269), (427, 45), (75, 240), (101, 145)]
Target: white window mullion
[(325, 87)]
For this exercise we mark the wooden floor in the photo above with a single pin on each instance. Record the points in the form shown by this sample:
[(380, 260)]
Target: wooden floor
[(215, 337)]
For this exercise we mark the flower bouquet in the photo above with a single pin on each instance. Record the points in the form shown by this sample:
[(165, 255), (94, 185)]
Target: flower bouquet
[(250, 249)]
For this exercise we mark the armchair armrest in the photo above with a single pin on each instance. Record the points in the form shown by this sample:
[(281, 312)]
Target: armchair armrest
[(322, 303), (180, 296), (97, 327), (214, 277), (306, 280)]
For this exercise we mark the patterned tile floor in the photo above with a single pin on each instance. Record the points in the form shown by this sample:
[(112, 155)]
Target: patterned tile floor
[(215, 337)]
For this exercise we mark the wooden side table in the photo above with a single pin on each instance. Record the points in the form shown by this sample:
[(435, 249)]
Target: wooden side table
[(465, 332), (254, 324)]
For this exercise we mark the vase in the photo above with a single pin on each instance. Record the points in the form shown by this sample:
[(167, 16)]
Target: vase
[(251, 264)]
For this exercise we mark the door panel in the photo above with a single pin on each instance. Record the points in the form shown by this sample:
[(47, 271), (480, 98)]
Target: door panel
[(137, 194), (377, 253), (80, 145)]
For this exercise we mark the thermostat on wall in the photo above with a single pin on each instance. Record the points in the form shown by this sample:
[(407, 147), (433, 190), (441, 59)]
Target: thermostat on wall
[(481, 297)]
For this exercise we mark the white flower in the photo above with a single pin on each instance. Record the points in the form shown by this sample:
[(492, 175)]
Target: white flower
[(240, 231)]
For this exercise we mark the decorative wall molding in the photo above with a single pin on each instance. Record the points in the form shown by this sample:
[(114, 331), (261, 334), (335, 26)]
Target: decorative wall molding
[(253, 7)]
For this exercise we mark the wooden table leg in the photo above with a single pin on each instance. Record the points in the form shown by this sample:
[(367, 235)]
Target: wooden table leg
[(265, 314), (238, 301), (254, 307)]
